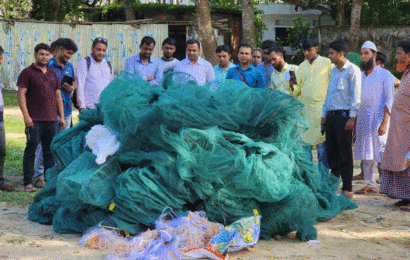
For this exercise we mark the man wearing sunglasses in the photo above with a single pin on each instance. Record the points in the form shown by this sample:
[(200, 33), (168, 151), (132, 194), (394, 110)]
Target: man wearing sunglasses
[(94, 73)]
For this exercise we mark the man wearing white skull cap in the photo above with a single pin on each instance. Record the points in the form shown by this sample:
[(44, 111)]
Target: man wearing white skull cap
[(377, 93)]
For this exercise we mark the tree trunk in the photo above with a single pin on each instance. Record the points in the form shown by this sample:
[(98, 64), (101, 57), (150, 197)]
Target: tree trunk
[(55, 7), (355, 25), (205, 30), (340, 12), (129, 10), (248, 23)]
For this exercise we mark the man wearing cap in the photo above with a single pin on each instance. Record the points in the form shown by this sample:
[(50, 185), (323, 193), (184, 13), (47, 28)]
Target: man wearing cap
[(377, 93)]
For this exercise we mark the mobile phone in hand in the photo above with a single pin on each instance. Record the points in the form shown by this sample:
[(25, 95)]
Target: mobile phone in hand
[(67, 79), (292, 74)]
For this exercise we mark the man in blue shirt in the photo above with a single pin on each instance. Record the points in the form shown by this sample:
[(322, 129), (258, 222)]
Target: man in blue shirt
[(143, 64), (62, 67), (245, 71), (223, 53), (266, 67)]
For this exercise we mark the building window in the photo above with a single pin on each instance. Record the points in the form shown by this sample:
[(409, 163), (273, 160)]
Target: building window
[(282, 34)]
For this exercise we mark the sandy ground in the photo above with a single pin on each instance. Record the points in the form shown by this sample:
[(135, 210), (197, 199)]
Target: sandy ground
[(376, 230)]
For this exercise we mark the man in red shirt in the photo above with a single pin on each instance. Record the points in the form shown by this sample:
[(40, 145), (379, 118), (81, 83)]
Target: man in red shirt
[(39, 99)]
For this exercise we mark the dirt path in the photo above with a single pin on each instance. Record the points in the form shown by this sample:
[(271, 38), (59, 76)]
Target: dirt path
[(376, 230)]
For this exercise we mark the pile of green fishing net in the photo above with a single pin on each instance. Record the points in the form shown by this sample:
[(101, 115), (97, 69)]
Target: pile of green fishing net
[(222, 148)]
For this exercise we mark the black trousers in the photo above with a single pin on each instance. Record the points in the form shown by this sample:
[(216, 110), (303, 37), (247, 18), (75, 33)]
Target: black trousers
[(339, 148), (43, 132)]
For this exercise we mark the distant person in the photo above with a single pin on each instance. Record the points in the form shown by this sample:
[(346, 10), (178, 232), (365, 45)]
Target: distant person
[(143, 64), (167, 62), (3, 186), (372, 125), (256, 57), (94, 73), (381, 60), (40, 101), (194, 65), (62, 67), (245, 71), (339, 113), (395, 181), (310, 86), (223, 54), (266, 66), (281, 76)]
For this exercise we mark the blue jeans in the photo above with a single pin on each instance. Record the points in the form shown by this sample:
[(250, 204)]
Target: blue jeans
[(321, 154), (39, 151), (43, 132)]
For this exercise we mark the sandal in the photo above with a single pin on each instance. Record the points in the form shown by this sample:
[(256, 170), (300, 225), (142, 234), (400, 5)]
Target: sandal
[(29, 188), (39, 183), (402, 203)]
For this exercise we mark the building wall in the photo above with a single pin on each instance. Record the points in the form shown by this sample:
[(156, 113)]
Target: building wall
[(279, 15), (18, 39), (385, 38)]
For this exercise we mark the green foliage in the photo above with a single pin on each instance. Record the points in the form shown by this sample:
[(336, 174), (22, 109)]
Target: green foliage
[(17, 240), (260, 26), (296, 33), (15, 8), (385, 13), (10, 97), (20, 198)]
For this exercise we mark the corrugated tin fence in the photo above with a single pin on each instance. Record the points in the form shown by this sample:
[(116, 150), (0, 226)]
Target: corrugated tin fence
[(18, 39)]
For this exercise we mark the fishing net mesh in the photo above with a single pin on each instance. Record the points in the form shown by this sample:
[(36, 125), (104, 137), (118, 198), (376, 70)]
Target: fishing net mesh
[(223, 148)]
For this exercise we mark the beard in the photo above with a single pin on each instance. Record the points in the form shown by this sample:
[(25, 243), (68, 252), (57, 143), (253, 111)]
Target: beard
[(366, 66)]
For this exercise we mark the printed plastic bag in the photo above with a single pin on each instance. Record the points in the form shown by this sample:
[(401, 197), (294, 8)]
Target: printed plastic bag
[(102, 142), (239, 235)]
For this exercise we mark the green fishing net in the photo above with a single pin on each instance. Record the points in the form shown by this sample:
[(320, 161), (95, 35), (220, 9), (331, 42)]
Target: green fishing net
[(223, 148)]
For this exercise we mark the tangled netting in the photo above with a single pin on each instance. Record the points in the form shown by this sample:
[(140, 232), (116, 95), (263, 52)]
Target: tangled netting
[(222, 148)]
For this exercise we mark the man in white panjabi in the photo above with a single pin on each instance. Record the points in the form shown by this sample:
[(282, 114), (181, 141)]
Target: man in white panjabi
[(373, 116)]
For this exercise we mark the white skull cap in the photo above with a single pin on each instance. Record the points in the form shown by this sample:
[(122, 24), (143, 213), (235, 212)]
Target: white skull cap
[(370, 45)]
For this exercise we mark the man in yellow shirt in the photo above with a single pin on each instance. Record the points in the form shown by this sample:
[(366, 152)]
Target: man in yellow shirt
[(280, 77), (310, 85)]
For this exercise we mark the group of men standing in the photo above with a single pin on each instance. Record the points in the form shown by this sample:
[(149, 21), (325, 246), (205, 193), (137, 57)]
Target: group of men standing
[(45, 91), (339, 100)]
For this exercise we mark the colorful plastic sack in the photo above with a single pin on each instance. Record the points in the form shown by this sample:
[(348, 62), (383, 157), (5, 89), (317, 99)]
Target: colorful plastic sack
[(239, 235)]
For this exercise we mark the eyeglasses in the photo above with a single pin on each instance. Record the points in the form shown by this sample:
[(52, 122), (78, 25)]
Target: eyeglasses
[(101, 39)]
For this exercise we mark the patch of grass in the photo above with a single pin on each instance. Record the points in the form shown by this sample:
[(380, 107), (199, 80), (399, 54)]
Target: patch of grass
[(10, 97), (14, 158), (17, 240), (14, 125), (19, 198), (15, 144), (357, 165), (1, 234)]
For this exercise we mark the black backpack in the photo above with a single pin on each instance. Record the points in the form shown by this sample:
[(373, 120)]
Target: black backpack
[(88, 60)]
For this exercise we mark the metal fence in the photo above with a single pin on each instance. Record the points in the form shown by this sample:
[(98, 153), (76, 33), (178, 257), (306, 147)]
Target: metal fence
[(18, 39)]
